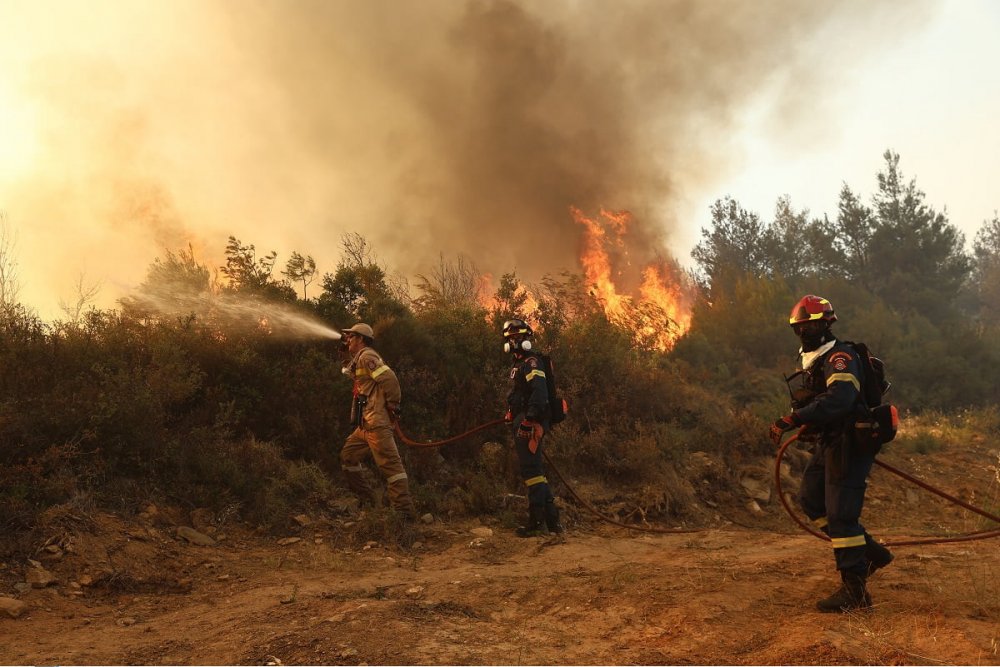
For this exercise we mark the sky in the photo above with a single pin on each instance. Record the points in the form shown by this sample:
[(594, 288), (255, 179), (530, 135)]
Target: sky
[(445, 128)]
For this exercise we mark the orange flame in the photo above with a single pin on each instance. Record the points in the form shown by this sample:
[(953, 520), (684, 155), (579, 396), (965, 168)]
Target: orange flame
[(660, 313)]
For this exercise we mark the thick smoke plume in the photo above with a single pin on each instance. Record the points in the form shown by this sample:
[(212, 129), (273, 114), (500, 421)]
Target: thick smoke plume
[(434, 126)]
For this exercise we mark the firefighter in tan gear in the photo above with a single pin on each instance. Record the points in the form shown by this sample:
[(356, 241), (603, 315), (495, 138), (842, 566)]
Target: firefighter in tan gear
[(376, 402)]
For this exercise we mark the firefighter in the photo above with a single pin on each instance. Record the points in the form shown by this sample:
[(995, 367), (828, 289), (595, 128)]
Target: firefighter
[(827, 403), (529, 414), (376, 405)]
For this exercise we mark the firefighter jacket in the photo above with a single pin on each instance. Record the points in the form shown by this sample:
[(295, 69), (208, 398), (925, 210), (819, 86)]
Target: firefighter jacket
[(529, 389), (379, 386), (830, 396)]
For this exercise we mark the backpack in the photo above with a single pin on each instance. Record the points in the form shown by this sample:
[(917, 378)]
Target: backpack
[(882, 422), (558, 407)]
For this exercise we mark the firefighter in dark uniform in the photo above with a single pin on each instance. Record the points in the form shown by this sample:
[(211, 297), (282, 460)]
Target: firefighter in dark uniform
[(528, 412), (826, 402)]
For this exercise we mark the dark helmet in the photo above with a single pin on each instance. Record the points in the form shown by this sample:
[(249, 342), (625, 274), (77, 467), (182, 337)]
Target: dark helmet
[(811, 308), (517, 334)]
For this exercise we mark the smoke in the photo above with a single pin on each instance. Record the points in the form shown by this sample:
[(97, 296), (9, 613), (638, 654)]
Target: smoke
[(428, 127)]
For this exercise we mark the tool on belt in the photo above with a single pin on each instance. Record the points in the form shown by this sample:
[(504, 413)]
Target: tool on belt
[(358, 410)]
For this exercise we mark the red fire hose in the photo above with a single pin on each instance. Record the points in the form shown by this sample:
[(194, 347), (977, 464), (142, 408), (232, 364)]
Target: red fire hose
[(978, 535), (590, 508)]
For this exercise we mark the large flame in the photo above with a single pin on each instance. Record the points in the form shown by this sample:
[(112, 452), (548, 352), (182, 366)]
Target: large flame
[(660, 312)]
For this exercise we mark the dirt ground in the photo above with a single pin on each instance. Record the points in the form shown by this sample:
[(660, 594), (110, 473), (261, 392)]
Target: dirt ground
[(134, 593)]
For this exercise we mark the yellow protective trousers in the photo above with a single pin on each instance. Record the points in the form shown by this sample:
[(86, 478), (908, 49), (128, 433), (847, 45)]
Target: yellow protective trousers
[(382, 445)]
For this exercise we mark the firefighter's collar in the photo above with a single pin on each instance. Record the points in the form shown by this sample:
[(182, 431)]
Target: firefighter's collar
[(809, 358)]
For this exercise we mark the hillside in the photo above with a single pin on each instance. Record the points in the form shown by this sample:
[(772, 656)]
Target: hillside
[(130, 592)]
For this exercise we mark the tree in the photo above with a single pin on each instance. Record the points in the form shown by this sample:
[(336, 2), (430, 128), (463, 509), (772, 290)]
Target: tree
[(84, 296), (917, 260), (986, 271), (251, 274), (244, 269), (798, 247), (854, 228), (457, 282), (360, 287), (735, 246), (300, 269), (10, 287)]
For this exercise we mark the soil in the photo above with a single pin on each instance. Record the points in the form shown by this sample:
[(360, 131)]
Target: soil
[(132, 592)]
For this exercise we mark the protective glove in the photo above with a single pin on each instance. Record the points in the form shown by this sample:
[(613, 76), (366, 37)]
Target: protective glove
[(395, 412), (508, 416), (782, 426), (533, 431)]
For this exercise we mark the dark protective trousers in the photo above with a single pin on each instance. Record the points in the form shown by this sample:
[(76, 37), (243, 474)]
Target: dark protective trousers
[(532, 471), (833, 493)]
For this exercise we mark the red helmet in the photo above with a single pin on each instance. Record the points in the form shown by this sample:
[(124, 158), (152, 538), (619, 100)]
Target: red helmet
[(812, 307)]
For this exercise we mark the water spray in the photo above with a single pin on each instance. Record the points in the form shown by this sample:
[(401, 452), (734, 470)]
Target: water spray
[(233, 312)]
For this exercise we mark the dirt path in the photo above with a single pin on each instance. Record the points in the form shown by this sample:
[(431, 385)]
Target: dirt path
[(717, 597)]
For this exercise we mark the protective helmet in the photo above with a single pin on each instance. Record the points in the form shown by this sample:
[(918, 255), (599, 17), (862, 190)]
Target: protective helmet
[(517, 335), (811, 308), (361, 329)]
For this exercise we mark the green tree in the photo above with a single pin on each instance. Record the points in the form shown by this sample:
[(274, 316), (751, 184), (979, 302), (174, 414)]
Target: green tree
[(736, 245), (986, 271), (917, 259), (853, 230)]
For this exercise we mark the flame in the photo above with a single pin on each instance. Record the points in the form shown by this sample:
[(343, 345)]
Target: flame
[(660, 312)]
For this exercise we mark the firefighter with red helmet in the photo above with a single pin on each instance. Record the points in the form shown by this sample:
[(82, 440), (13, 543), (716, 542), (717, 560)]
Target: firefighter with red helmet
[(529, 412), (376, 403), (826, 402)]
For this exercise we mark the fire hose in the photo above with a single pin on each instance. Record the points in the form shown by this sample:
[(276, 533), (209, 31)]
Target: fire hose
[(978, 535), (409, 442)]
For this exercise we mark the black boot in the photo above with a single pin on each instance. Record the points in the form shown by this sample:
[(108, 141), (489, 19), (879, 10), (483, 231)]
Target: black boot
[(878, 556), (552, 518), (852, 595), (535, 525)]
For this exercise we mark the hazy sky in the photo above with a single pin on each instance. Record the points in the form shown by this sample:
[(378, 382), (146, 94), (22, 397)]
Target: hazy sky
[(128, 128)]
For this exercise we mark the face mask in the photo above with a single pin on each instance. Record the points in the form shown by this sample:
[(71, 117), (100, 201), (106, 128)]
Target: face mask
[(524, 345), (812, 334)]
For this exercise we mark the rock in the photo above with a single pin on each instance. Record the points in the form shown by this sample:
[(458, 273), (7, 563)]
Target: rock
[(222, 577), (427, 518), (418, 545), (53, 549), (22, 587), (11, 607), (203, 519), (318, 540), (128, 620), (86, 580), (285, 541), (414, 592), (344, 505), (337, 618), (39, 577), (302, 519), (194, 537), (754, 508), (478, 542), (482, 531), (756, 489), (348, 653), (371, 544)]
